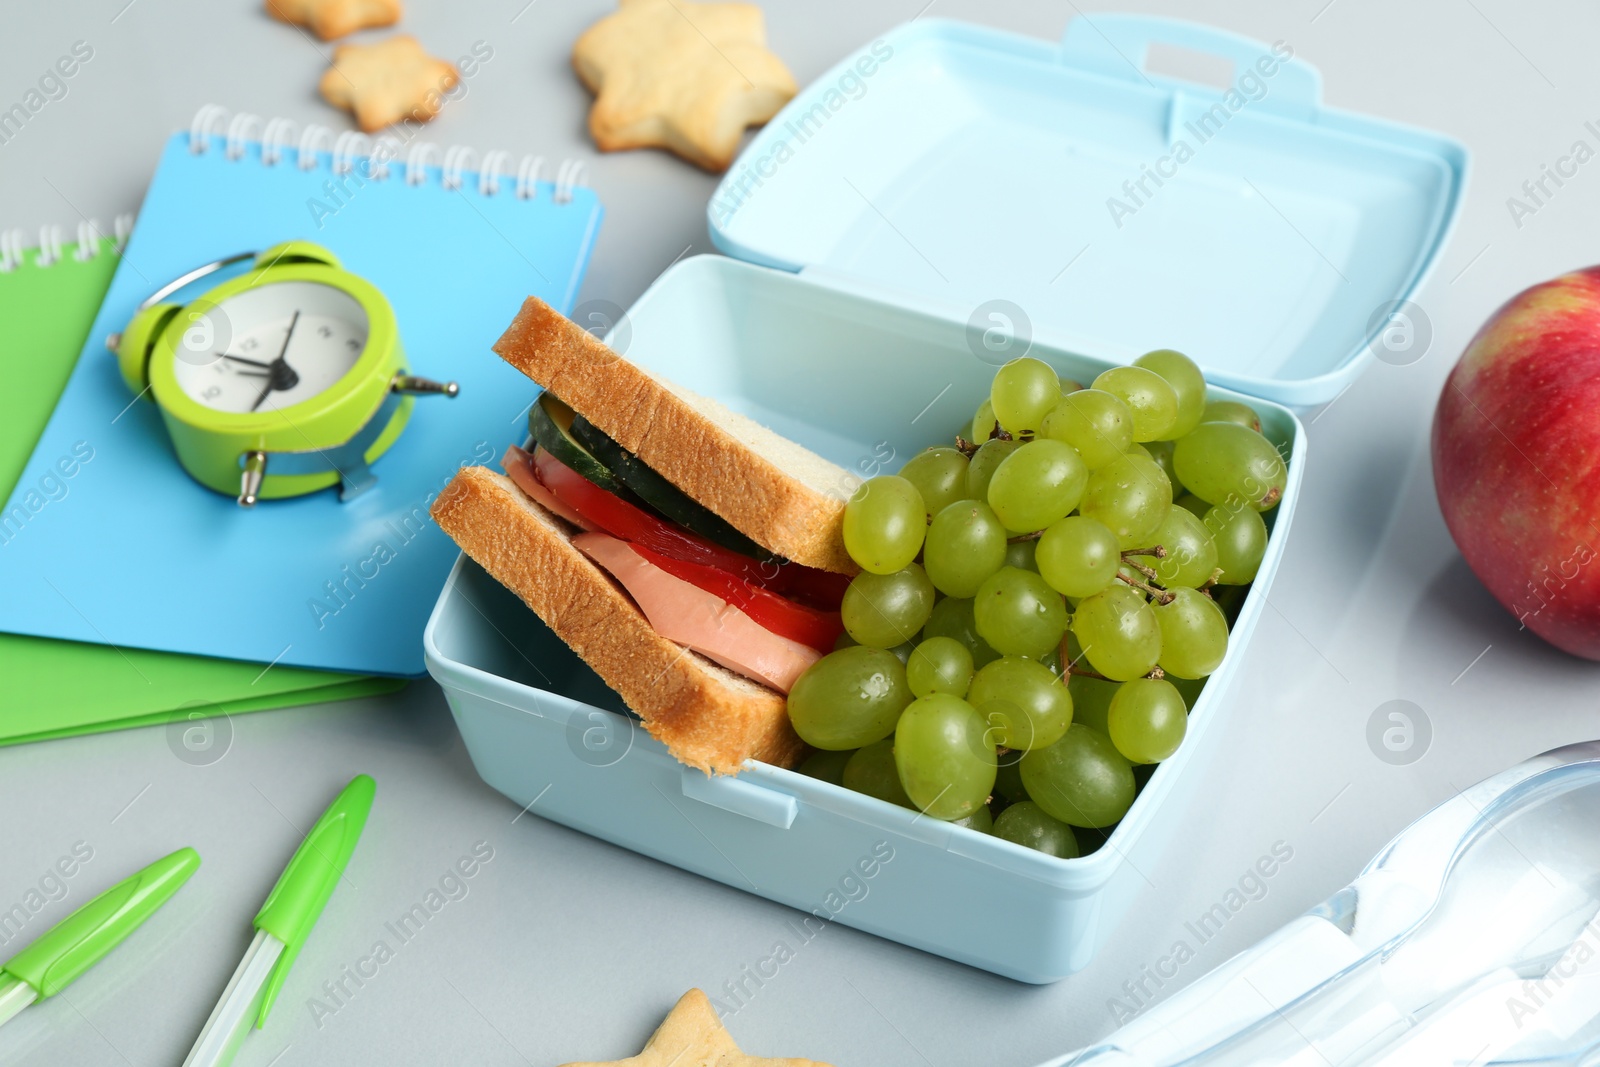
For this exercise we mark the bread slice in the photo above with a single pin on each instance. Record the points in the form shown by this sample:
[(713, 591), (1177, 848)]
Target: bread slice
[(784, 497), (708, 717)]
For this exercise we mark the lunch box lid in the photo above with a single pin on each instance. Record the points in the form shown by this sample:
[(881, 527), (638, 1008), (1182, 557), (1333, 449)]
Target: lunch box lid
[(1072, 193)]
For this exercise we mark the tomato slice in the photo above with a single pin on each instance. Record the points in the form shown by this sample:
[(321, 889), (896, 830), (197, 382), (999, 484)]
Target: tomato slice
[(820, 589), (809, 626), (608, 512)]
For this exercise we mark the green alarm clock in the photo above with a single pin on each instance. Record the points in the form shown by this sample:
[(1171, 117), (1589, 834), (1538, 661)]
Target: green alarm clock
[(283, 380)]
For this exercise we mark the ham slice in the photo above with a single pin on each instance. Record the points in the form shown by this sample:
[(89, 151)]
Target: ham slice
[(519, 468), (688, 615)]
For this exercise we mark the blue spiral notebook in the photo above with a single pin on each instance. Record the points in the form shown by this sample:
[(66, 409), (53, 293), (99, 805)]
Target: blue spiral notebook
[(131, 552)]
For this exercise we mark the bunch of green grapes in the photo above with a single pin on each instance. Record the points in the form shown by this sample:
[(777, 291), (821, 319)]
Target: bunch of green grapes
[(1038, 603)]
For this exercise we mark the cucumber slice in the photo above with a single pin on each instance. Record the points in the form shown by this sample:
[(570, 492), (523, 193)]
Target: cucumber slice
[(655, 490), (550, 422)]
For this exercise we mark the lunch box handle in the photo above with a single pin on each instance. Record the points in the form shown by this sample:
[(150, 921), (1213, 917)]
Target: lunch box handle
[(741, 798), (1118, 46)]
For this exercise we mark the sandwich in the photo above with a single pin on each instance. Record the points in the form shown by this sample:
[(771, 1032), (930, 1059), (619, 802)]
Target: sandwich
[(691, 556)]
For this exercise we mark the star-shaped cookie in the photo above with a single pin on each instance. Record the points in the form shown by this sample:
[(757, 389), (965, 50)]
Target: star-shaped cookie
[(680, 75), (692, 1036), (329, 19), (385, 82)]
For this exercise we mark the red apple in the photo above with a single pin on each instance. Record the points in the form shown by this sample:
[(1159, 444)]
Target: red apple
[(1516, 458)]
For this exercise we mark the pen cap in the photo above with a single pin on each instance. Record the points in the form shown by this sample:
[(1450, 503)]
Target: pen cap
[(76, 943), (305, 885)]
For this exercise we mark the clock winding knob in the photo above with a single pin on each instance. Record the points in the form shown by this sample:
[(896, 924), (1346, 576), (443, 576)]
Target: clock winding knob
[(410, 383), (255, 469)]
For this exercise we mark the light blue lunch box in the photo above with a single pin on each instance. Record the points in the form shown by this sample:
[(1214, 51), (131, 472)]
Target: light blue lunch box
[(935, 205)]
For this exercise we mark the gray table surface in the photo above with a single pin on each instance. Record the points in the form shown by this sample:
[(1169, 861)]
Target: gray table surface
[(568, 948)]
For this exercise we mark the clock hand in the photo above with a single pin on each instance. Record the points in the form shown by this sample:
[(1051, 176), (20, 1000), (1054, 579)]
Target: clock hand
[(286, 338), (241, 359), (280, 375), (264, 391)]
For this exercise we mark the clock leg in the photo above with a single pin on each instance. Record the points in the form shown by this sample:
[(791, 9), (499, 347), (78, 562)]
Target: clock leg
[(255, 469)]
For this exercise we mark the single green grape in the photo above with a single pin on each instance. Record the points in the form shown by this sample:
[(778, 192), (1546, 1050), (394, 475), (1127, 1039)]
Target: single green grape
[(1018, 613), (1161, 452), (1232, 411), (1154, 403), (1008, 778), (1023, 392), (981, 820), (1022, 700), (1078, 556), (1037, 484), (984, 462), (1118, 632), (871, 770), (884, 610), (1192, 504), (1137, 449), (1191, 554), (983, 423), (1091, 700), (1240, 535), (1187, 382), (884, 523), (966, 543), (1021, 554), (1097, 424), (1194, 634), (827, 766), (952, 617), (1026, 823), (1081, 779), (849, 698), (940, 475), (946, 763), (1223, 461), (939, 665), (1147, 720), (1130, 496)]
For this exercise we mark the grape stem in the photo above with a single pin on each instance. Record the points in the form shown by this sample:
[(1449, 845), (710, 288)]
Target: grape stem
[(1148, 571), (1069, 665), (1020, 538), (1160, 596), (1158, 551), (970, 448)]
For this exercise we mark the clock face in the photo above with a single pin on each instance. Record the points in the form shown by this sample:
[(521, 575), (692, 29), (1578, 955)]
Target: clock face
[(270, 346)]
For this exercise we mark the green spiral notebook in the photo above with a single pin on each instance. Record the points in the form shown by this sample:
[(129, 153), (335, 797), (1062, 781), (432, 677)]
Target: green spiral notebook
[(48, 688)]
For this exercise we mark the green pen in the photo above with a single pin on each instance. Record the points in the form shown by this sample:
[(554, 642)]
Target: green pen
[(77, 942), (283, 924)]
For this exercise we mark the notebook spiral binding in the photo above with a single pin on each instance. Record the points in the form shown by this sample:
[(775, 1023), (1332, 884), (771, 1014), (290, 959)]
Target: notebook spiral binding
[(305, 145), (51, 251)]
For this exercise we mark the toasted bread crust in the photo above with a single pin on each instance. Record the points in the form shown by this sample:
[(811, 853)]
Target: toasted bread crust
[(663, 426), (707, 717)]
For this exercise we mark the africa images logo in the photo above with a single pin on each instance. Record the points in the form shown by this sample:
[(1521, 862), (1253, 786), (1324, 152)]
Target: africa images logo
[(1250, 87)]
